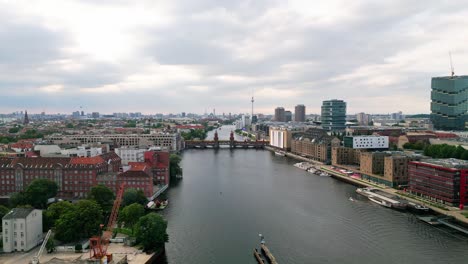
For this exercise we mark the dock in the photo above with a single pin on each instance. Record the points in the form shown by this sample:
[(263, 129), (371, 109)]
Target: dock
[(268, 254), (258, 257)]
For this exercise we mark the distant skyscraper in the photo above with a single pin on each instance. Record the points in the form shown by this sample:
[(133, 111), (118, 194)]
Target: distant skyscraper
[(334, 115), (449, 102), (288, 116), (363, 119), (299, 113), (82, 113), (95, 114), (26, 118), (279, 114)]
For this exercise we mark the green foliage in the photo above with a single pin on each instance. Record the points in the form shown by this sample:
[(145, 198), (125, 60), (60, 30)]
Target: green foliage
[(132, 195), (174, 165), (81, 221), (53, 213), (3, 211), (419, 145), (151, 232), (130, 214), (31, 133), (14, 130), (50, 245), (18, 199), (444, 151), (78, 248), (7, 140), (39, 191), (194, 134), (103, 196), (70, 125), (131, 123)]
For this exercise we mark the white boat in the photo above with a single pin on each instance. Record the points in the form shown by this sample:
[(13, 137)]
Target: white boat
[(324, 174), (380, 202), (277, 153), (351, 199)]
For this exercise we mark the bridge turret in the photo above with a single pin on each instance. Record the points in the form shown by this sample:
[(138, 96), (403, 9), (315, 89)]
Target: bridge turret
[(216, 140), (231, 140)]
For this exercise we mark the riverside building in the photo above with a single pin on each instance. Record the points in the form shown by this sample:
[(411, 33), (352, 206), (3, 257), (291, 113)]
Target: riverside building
[(449, 102), (334, 115), (441, 180)]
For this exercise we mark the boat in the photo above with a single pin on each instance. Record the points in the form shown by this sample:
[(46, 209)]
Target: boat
[(157, 205), (258, 257), (430, 219), (277, 153), (380, 202), (351, 199), (418, 208), (324, 174)]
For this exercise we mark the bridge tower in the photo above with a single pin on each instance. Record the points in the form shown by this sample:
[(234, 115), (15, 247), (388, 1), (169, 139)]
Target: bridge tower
[(216, 140), (231, 140)]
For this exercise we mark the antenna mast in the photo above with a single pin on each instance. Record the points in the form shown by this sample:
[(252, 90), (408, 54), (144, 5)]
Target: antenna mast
[(252, 102), (451, 64)]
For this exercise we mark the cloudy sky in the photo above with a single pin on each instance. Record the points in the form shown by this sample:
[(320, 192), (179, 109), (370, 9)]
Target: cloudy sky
[(172, 56)]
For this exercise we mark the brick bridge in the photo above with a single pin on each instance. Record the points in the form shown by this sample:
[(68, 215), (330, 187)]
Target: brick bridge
[(216, 143)]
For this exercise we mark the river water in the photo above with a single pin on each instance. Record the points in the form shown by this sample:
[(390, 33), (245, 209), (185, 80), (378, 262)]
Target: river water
[(227, 197)]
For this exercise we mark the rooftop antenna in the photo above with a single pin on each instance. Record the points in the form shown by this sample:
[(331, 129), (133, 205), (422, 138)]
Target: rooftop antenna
[(451, 64)]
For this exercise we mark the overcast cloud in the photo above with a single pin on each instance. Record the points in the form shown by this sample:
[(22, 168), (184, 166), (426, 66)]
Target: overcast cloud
[(173, 56)]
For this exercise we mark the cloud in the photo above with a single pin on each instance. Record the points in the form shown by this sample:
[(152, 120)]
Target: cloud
[(174, 56)]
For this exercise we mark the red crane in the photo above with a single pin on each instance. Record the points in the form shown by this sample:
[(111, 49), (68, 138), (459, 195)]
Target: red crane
[(97, 244)]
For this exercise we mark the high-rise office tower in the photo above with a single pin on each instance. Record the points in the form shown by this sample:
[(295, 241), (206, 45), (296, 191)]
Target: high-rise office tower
[(279, 115), (299, 113), (288, 116), (334, 115), (449, 102)]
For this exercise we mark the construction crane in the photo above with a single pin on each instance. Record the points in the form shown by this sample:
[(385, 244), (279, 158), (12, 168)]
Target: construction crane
[(98, 244), (451, 64), (36, 258)]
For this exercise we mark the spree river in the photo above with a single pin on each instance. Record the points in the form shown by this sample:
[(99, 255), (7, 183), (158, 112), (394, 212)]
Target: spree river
[(227, 197)]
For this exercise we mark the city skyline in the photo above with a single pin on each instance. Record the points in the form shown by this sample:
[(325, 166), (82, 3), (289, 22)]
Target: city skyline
[(172, 56)]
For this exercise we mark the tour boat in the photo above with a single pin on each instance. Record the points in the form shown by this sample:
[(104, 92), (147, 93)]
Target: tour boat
[(380, 202), (279, 153)]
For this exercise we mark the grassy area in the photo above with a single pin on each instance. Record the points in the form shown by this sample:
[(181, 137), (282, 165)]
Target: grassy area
[(438, 205), (465, 214), (125, 231)]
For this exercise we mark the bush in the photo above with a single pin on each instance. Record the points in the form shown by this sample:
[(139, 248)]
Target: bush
[(78, 248)]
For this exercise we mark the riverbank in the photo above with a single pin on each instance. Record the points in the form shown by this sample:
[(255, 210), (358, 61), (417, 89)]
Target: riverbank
[(449, 211)]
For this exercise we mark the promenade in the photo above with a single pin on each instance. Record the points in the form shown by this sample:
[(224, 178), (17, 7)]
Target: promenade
[(454, 212)]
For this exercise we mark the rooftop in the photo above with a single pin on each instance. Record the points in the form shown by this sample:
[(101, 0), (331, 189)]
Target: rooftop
[(16, 213), (447, 163)]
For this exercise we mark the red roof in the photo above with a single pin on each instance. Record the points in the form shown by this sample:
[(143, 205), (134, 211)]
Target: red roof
[(87, 160), (138, 166)]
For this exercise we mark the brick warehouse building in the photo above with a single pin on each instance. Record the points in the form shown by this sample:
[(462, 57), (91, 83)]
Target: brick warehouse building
[(74, 176), (443, 180)]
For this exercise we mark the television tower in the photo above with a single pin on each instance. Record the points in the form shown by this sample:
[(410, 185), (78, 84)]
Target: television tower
[(252, 103)]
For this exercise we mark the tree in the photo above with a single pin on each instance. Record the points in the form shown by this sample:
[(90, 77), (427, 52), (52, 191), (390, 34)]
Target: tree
[(81, 221), (53, 213), (39, 191), (132, 195), (103, 196), (3, 211), (151, 231), (50, 245), (14, 130), (130, 214), (18, 199), (70, 125), (174, 165)]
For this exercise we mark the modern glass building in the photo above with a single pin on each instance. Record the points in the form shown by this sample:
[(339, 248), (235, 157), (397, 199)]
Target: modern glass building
[(449, 103), (334, 115)]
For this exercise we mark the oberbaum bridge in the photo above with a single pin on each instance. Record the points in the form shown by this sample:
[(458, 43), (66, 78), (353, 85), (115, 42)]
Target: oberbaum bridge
[(216, 143)]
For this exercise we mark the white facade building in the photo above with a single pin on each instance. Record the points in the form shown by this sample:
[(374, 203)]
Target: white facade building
[(131, 154), (280, 138), (369, 142), (22, 229)]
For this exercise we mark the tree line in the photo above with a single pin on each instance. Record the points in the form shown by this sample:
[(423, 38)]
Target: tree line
[(81, 220)]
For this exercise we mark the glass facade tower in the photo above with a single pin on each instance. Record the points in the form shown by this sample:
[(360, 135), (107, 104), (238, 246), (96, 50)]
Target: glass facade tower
[(449, 102), (334, 115)]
